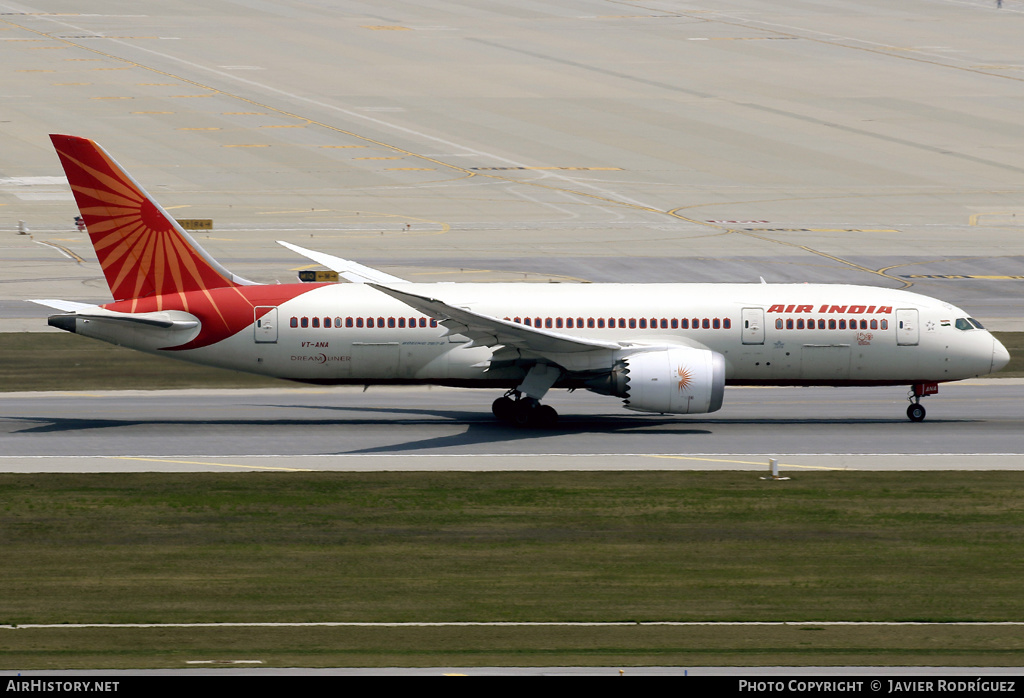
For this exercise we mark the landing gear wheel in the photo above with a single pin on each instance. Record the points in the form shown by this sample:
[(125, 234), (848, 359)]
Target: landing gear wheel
[(916, 412), (523, 412), (545, 416), (503, 408)]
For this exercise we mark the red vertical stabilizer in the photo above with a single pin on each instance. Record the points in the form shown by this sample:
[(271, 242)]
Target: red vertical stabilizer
[(142, 250)]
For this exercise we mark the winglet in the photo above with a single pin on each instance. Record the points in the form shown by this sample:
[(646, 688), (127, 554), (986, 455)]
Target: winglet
[(141, 249)]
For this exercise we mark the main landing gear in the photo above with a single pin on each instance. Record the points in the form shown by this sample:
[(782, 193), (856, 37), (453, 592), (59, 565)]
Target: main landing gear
[(521, 405), (516, 408), (916, 411)]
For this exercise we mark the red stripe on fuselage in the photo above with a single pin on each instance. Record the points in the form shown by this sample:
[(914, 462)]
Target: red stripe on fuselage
[(223, 312)]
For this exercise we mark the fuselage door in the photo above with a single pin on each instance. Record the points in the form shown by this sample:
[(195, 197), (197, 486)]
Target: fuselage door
[(265, 324), (906, 326), (753, 325)]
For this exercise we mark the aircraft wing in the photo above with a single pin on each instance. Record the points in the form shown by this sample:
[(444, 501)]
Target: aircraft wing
[(346, 268), (488, 331)]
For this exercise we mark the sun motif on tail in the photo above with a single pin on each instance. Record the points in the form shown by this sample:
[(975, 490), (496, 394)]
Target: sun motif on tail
[(141, 250), (685, 377)]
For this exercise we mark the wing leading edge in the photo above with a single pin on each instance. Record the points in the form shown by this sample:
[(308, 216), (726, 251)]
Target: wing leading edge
[(525, 342), (350, 271)]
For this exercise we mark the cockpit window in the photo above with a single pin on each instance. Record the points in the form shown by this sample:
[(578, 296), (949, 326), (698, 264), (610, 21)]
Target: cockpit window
[(968, 323)]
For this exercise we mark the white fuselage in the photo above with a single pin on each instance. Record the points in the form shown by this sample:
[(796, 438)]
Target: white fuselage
[(783, 334)]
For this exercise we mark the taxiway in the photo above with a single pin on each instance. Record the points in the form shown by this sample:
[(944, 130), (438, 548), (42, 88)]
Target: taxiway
[(971, 425)]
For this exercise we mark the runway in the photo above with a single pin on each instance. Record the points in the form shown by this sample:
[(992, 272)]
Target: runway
[(973, 425)]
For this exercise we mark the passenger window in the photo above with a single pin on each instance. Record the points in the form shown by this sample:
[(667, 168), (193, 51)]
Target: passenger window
[(294, 322), (706, 324), (401, 322), (590, 323), (600, 323), (675, 324), (885, 324), (789, 323), (348, 322), (369, 322), (685, 323), (359, 322), (727, 323), (304, 322), (391, 322)]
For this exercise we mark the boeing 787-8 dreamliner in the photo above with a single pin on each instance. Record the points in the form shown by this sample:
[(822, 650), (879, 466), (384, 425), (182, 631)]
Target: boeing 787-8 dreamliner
[(663, 348)]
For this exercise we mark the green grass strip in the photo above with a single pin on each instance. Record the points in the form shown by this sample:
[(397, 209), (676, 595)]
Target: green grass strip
[(394, 547)]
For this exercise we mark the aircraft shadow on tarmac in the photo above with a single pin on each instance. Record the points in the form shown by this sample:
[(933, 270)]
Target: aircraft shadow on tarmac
[(483, 429), (480, 428)]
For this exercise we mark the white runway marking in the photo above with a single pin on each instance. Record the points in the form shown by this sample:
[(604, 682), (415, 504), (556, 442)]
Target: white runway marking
[(502, 462), (499, 624)]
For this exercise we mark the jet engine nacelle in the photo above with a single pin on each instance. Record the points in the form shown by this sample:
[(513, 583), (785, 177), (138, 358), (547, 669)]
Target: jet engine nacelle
[(681, 380)]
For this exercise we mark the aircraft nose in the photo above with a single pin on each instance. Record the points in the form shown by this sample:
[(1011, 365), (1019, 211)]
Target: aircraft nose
[(1000, 357)]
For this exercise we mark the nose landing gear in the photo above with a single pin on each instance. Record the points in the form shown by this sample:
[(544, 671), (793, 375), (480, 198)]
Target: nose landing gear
[(916, 411)]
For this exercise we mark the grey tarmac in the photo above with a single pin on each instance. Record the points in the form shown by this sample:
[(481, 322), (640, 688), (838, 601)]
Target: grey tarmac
[(973, 425)]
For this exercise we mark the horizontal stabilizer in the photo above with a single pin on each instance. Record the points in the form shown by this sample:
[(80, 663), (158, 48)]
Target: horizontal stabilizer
[(66, 306), (346, 268), (174, 320)]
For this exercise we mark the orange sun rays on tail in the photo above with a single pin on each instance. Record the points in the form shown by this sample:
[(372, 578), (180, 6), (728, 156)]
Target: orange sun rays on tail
[(142, 250)]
